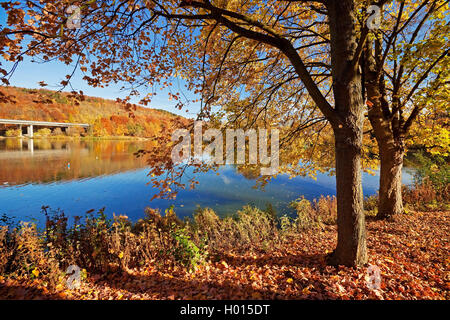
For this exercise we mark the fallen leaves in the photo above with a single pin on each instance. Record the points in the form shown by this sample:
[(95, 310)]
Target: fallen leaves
[(411, 253)]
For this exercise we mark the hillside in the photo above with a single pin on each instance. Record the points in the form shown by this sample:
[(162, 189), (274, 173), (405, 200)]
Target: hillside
[(107, 117)]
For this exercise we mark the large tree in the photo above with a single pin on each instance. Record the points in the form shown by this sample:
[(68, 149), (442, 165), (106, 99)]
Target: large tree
[(319, 44), (406, 74)]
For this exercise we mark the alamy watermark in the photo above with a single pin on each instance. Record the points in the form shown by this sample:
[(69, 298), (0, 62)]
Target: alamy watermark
[(74, 19), (373, 277), (235, 151), (374, 20), (74, 279)]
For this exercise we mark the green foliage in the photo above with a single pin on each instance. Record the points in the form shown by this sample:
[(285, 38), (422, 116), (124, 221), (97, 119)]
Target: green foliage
[(185, 250), (431, 190), (433, 168)]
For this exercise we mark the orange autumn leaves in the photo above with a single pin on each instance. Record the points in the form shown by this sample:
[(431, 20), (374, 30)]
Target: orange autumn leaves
[(411, 253)]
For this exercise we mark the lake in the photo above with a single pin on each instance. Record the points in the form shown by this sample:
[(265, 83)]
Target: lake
[(76, 176)]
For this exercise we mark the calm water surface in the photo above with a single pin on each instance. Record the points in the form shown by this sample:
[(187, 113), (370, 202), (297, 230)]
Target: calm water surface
[(76, 176)]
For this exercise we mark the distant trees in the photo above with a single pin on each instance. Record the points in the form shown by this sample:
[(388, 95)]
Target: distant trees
[(107, 117)]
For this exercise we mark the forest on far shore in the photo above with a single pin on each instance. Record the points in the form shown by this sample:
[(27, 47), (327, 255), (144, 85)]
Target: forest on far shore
[(107, 117)]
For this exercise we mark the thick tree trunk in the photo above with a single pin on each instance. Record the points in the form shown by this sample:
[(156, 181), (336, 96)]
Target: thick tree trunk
[(390, 194), (389, 134), (391, 149), (351, 248)]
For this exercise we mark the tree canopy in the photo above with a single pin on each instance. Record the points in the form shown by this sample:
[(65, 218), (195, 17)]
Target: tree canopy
[(295, 65)]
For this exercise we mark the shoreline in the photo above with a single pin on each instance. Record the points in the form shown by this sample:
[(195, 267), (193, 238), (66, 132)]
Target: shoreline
[(81, 138)]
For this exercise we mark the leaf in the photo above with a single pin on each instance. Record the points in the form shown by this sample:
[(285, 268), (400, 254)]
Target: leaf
[(35, 272)]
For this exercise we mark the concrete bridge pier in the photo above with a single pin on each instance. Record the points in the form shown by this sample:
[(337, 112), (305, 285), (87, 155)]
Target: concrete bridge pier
[(30, 145), (30, 131)]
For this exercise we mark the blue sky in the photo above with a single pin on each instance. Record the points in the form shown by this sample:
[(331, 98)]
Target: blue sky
[(29, 73)]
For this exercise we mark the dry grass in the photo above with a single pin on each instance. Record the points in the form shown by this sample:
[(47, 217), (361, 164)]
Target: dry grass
[(426, 196)]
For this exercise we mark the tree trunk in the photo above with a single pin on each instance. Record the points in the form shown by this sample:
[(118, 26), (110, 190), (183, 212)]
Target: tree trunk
[(391, 148), (388, 131), (351, 248), (390, 194)]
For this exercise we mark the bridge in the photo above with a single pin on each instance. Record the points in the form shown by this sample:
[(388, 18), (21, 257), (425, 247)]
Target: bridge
[(31, 124)]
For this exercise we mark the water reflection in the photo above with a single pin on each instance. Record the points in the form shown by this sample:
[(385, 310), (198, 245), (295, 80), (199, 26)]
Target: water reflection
[(25, 161), (77, 176)]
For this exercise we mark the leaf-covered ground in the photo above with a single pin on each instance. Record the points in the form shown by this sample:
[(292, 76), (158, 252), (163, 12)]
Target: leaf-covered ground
[(412, 253)]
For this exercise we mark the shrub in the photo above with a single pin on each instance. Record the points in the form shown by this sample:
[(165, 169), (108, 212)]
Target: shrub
[(425, 196), (431, 189), (22, 253), (13, 133), (99, 244), (44, 132), (255, 227), (326, 209), (305, 217), (184, 249), (250, 229), (135, 129), (313, 215), (371, 205), (208, 225), (57, 132), (75, 131)]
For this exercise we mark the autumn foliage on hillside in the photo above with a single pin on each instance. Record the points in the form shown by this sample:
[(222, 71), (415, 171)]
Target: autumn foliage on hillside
[(108, 118)]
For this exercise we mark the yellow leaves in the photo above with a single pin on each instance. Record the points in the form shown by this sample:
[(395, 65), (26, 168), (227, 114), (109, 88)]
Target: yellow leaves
[(388, 259), (35, 272), (434, 137), (307, 290), (121, 255), (289, 280), (434, 168), (59, 287), (233, 4)]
